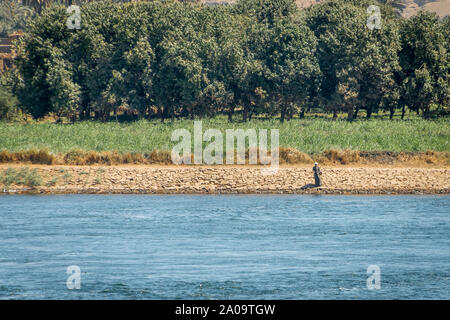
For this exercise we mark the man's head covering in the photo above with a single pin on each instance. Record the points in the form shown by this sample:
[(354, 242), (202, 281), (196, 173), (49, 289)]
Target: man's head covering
[(315, 163)]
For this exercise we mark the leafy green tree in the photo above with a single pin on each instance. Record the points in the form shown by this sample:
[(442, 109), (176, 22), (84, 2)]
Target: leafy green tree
[(46, 86), (179, 59), (358, 64), (285, 72), (98, 54), (43, 78), (424, 59), (266, 11), (179, 77), (290, 65), (236, 68), (7, 101), (138, 77)]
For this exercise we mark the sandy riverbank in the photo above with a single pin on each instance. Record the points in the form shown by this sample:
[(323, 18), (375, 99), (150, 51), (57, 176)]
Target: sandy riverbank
[(235, 179)]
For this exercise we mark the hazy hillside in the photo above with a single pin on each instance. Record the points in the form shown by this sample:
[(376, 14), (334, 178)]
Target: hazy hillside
[(407, 7), (441, 7)]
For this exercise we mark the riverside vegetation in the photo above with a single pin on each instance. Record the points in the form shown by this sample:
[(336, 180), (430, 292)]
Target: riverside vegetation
[(170, 59), (309, 135), (275, 66), (21, 177)]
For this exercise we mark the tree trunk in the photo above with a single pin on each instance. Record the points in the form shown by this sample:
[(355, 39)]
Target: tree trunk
[(426, 112), (302, 113), (350, 114), (334, 114), (162, 112), (369, 112), (290, 114), (355, 115), (105, 115), (391, 112), (230, 114), (403, 111)]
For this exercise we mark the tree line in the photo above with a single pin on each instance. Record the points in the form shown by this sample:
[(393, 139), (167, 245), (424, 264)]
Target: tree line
[(170, 59)]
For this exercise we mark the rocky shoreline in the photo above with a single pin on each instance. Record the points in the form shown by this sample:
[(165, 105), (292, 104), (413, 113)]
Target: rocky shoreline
[(234, 180)]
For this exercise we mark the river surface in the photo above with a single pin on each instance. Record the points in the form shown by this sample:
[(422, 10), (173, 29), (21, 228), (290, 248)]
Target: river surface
[(224, 247)]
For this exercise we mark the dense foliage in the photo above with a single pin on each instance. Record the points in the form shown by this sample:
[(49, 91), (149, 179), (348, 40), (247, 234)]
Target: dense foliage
[(262, 57), (13, 16)]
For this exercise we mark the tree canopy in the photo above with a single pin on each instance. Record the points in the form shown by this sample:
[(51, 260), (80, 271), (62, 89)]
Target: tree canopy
[(171, 59)]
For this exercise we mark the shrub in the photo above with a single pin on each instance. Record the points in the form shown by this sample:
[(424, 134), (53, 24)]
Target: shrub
[(24, 176), (7, 104)]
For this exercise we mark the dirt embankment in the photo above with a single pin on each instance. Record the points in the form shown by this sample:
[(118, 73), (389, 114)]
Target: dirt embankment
[(287, 156), (232, 179)]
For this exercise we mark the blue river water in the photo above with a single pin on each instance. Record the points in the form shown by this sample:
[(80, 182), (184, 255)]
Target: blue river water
[(224, 247)]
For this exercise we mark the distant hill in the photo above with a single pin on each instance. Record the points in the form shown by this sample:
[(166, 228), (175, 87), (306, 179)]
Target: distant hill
[(406, 8), (411, 7)]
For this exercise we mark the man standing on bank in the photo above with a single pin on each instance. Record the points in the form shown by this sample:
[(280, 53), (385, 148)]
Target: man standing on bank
[(317, 174)]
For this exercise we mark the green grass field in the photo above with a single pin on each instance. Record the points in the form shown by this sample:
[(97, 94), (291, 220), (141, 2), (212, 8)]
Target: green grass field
[(308, 135)]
